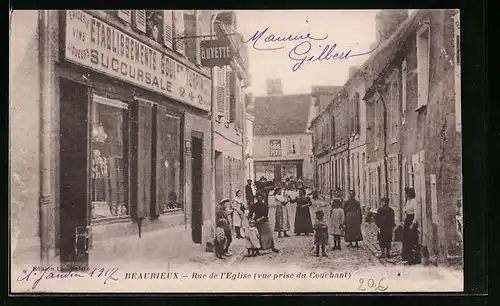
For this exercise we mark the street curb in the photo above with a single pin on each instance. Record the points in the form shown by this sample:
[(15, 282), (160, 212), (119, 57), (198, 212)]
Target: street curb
[(373, 249), (237, 257)]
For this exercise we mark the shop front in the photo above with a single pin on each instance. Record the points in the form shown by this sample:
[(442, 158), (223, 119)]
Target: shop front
[(279, 170), (134, 143)]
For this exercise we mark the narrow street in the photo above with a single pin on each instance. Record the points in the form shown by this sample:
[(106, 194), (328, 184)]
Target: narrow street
[(300, 251)]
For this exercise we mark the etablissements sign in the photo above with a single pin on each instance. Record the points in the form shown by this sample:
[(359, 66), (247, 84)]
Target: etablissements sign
[(94, 44)]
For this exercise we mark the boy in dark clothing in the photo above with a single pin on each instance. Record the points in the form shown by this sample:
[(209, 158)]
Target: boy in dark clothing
[(321, 233)]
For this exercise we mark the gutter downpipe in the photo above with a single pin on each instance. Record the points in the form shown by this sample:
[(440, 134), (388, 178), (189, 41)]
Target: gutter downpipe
[(45, 103), (212, 129)]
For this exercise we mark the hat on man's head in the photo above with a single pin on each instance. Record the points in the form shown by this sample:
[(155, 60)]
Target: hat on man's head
[(249, 180), (224, 201)]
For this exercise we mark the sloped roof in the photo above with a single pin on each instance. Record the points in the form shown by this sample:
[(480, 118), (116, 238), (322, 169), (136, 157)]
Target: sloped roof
[(280, 115)]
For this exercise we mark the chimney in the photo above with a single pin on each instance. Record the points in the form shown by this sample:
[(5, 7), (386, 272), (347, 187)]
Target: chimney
[(352, 71), (274, 87), (387, 21)]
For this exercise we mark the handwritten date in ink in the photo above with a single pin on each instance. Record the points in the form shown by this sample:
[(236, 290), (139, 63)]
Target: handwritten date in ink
[(37, 275), (106, 274), (371, 284)]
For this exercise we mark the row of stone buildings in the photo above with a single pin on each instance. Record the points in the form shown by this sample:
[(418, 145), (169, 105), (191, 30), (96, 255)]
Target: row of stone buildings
[(118, 130), (396, 123)]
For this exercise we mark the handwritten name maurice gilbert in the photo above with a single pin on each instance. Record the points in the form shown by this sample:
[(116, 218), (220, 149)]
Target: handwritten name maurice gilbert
[(302, 51)]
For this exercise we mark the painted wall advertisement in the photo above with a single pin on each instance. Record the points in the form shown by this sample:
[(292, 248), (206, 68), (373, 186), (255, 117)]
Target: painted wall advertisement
[(275, 147), (94, 44)]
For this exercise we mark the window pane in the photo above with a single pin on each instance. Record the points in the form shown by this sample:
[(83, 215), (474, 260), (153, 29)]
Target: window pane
[(109, 167), (169, 176)]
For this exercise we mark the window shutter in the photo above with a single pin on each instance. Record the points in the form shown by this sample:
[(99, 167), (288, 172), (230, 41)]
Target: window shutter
[(156, 163), (395, 105), (404, 76), (140, 20), (125, 15), (141, 159), (356, 113), (221, 91), (232, 96), (333, 131), (179, 30), (227, 98), (238, 103), (167, 28)]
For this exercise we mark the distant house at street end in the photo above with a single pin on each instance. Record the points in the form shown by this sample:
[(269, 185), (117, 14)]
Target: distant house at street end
[(282, 142)]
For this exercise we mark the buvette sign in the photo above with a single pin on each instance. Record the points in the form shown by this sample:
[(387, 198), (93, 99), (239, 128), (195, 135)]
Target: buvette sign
[(216, 53)]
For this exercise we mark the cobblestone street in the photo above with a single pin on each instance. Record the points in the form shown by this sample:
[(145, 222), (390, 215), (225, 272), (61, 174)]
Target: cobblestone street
[(299, 251)]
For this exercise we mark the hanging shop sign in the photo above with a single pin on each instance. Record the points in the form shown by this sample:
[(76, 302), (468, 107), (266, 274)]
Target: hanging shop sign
[(216, 53), (92, 43), (275, 147)]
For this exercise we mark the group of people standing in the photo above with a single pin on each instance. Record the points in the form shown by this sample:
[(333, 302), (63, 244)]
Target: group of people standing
[(250, 220), (385, 221)]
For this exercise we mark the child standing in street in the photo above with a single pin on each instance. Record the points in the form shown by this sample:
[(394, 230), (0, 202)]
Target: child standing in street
[(252, 239), (336, 223), (220, 238), (320, 233)]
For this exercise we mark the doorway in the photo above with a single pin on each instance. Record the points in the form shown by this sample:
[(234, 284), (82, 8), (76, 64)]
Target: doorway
[(197, 189), (74, 175)]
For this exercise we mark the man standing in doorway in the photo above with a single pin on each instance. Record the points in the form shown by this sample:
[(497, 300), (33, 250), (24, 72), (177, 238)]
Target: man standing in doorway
[(249, 193)]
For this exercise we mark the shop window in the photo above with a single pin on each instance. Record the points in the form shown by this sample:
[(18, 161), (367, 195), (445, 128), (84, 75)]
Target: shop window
[(154, 25), (109, 179), (169, 173)]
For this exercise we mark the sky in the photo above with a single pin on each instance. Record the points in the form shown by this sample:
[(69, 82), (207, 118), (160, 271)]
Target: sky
[(350, 30)]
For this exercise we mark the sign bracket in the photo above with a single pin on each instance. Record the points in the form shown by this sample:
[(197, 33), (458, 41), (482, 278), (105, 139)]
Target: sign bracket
[(202, 36)]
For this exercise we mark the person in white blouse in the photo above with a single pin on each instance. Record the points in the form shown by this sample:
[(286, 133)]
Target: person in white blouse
[(282, 222), (412, 215)]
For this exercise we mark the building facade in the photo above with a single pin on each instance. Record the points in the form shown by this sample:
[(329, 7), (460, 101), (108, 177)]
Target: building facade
[(124, 148), (282, 144), (229, 112), (417, 95), (396, 123)]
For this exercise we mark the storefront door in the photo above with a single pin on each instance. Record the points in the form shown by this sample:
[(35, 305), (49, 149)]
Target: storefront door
[(74, 175), (197, 190)]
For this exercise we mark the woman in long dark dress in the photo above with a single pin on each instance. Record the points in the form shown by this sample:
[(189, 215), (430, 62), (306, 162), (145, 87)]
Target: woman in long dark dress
[(353, 220), (259, 213), (410, 228), (303, 222), (385, 223)]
